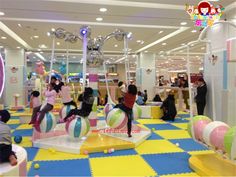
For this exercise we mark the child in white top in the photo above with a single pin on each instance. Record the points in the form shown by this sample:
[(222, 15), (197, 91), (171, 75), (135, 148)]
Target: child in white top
[(66, 96)]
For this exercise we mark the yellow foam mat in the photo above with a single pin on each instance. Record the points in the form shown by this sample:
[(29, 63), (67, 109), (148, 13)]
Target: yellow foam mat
[(212, 165), (29, 164), (26, 142), (150, 121), (181, 125), (48, 155), (173, 134), (157, 146), (180, 175), (121, 166), (96, 142), (156, 112), (13, 121), (24, 127), (100, 114), (201, 152)]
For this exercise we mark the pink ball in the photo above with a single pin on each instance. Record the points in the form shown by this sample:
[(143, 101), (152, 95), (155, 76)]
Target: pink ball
[(199, 127), (217, 137), (108, 107)]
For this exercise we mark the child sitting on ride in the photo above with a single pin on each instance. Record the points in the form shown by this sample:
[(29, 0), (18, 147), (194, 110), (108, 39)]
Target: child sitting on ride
[(34, 103), (6, 153), (140, 99), (127, 106), (66, 96), (50, 95), (87, 100)]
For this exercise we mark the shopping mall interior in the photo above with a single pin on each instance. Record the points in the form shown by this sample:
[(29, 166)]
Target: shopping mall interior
[(117, 88)]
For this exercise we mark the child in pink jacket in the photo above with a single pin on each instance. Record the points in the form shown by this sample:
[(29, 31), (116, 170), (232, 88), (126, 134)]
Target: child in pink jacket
[(50, 95)]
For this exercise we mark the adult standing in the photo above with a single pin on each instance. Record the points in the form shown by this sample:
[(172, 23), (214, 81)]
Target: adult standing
[(184, 84), (200, 98)]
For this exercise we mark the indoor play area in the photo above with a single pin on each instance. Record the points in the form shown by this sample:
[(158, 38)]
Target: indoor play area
[(117, 88)]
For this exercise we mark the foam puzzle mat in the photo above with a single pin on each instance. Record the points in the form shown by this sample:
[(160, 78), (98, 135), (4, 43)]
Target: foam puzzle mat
[(165, 153)]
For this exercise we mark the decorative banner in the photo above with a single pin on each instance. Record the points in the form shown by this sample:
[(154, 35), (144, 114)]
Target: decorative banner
[(2, 75), (205, 14)]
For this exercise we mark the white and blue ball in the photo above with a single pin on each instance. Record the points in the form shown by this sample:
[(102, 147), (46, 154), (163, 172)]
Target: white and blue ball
[(48, 123), (78, 127), (65, 110)]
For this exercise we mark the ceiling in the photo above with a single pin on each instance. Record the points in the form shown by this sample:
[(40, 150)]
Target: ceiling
[(26, 23)]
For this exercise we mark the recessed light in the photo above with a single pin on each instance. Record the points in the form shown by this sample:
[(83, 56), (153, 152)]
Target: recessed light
[(18, 47), (42, 46), (36, 37), (181, 51), (39, 50), (3, 37), (48, 34), (146, 51), (102, 9), (183, 44), (99, 19), (203, 48), (183, 23), (58, 43), (194, 31), (163, 43), (138, 41), (53, 29), (2, 13), (19, 25), (192, 45), (1, 46), (115, 45), (161, 32)]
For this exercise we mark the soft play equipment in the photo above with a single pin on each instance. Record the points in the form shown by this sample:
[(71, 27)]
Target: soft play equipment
[(198, 124), (107, 108), (137, 111), (213, 134), (77, 127), (117, 119), (230, 143), (64, 111), (48, 123), (20, 170)]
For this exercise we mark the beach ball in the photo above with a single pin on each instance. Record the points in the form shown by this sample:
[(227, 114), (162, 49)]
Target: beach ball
[(77, 127), (48, 123), (137, 111), (213, 134), (198, 124), (64, 111), (18, 139), (117, 119), (107, 108), (230, 142)]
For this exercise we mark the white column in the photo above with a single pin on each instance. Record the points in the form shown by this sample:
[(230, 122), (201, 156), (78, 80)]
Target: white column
[(146, 73), (15, 64), (224, 75)]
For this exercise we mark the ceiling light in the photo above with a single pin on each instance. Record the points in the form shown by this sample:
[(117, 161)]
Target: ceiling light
[(42, 46), (18, 47), (115, 45), (142, 42), (181, 51), (192, 45), (2, 13), (58, 43), (183, 23), (1, 46), (161, 32), (146, 51), (53, 29), (48, 33), (99, 19), (102, 9), (36, 37), (138, 41), (203, 48), (183, 44), (3, 37), (19, 25), (39, 50), (194, 31), (163, 43)]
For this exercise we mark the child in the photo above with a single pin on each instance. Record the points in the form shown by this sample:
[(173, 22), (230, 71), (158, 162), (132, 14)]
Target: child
[(50, 95), (65, 95), (157, 98), (169, 108), (145, 96), (87, 100), (140, 99), (6, 153), (35, 102), (127, 106), (121, 92)]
